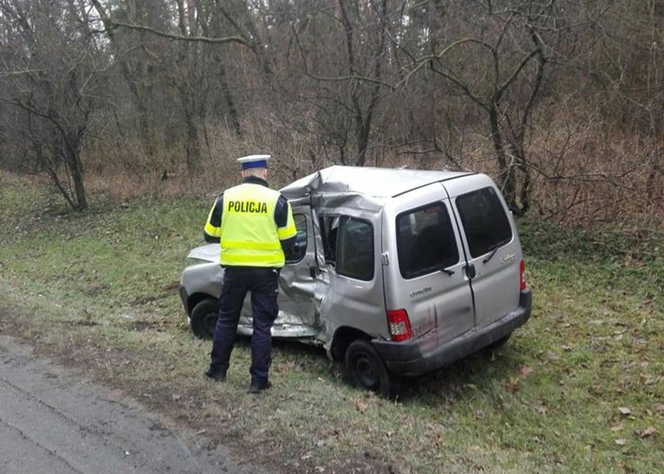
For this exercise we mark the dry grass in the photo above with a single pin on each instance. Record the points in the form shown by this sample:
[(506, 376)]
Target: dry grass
[(586, 174), (581, 171)]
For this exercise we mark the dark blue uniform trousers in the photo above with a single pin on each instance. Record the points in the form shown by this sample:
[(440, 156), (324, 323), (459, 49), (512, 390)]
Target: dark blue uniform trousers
[(264, 287)]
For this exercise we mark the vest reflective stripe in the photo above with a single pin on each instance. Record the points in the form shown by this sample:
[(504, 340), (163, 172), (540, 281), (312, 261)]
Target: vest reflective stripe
[(253, 260), (290, 230), (249, 235), (242, 244), (209, 228)]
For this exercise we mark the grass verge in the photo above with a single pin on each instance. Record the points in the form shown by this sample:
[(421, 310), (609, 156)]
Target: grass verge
[(580, 388)]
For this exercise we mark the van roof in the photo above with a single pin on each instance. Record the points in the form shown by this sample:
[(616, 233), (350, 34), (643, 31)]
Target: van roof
[(374, 182)]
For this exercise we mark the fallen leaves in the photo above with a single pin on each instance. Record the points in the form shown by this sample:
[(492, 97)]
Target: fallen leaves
[(648, 432), (512, 383), (525, 371), (360, 405), (625, 411), (286, 367)]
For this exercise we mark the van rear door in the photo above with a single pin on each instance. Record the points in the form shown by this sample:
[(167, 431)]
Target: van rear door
[(491, 246), (423, 265)]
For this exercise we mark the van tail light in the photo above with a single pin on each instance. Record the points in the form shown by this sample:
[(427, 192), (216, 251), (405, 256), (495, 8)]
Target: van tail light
[(522, 271), (399, 325)]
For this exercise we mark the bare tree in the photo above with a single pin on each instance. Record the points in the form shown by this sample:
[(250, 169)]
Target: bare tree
[(504, 78), (52, 76), (349, 69), (460, 83), (632, 72)]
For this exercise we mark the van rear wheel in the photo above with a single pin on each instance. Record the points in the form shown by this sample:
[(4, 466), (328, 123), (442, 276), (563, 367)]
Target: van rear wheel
[(366, 370), (204, 318)]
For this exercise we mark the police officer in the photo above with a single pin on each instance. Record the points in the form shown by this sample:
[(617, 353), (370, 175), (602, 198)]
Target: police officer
[(253, 224)]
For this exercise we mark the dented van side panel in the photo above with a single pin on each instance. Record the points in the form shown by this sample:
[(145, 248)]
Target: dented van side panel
[(348, 300)]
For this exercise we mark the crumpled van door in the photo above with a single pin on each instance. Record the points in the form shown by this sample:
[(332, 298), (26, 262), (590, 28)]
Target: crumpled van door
[(423, 266), (297, 283), (297, 316), (491, 244)]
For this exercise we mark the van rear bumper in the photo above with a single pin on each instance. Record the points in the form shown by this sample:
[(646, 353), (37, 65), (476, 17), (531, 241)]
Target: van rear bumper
[(406, 358)]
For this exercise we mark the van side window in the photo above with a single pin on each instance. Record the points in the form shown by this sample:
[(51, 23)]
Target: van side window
[(329, 226), (425, 240), (300, 248), (355, 251), (484, 221)]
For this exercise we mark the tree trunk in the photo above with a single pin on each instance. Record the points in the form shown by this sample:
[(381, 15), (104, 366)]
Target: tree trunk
[(653, 158), (506, 173), (230, 102), (193, 148), (74, 168), (522, 178), (79, 187), (364, 129)]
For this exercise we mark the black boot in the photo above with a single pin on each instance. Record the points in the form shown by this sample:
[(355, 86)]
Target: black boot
[(258, 387), (215, 375)]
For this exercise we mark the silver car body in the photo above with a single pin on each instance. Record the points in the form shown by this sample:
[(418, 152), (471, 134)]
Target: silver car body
[(473, 302)]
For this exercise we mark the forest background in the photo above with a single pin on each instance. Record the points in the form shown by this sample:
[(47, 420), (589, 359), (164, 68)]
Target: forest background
[(560, 101)]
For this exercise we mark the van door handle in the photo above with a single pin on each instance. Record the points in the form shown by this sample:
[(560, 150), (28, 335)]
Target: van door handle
[(314, 272), (470, 271)]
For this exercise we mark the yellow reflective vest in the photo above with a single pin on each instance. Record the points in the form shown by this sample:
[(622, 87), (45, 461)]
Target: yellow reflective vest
[(249, 235)]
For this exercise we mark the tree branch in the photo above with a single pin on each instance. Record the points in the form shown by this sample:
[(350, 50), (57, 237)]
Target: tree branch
[(202, 39), (348, 77)]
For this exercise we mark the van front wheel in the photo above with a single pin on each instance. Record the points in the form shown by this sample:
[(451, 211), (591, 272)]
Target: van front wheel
[(367, 370), (204, 318)]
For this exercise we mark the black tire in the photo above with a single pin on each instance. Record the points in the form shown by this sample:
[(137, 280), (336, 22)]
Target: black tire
[(366, 369), (499, 343), (204, 318)]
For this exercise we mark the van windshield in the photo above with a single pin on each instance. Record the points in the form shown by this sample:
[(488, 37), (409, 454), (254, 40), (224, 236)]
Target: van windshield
[(425, 240), (484, 221)]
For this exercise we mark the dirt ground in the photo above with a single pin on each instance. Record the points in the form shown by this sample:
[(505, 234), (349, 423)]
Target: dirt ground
[(55, 421)]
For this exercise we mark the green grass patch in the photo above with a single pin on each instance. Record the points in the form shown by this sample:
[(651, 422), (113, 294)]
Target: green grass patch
[(578, 389)]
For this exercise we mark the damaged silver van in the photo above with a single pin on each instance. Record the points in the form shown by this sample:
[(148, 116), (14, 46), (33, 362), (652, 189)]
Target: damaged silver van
[(395, 272)]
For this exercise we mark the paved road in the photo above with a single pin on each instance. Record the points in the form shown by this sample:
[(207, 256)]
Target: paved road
[(53, 423)]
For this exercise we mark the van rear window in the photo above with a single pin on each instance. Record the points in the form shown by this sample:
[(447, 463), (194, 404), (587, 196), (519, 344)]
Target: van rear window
[(355, 250), (484, 221), (425, 241)]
